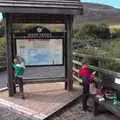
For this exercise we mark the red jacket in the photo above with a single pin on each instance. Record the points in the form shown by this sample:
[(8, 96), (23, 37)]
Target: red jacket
[(84, 73)]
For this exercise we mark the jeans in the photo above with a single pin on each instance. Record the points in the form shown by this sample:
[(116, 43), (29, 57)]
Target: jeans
[(19, 81), (85, 92)]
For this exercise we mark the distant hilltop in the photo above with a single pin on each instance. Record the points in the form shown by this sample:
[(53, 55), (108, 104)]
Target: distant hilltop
[(99, 13)]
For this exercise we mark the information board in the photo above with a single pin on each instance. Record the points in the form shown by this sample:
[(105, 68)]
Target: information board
[(40, 51)]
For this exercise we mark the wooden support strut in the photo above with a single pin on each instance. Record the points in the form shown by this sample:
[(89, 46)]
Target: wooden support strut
[(8, 34), (69, 21)]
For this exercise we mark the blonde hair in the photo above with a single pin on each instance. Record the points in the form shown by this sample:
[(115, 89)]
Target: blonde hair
[(16, 60)]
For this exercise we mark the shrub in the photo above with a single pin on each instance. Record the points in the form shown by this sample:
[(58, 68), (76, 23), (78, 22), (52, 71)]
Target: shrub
[(2, 46), (100, 31), (115, 33)]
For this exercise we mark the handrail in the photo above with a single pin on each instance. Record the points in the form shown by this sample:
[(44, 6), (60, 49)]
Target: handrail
[(77, 78), (3, 63), (96, 57), (99, 69)]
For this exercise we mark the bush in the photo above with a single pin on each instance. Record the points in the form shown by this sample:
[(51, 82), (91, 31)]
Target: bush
[(2, 43), (2, 46), (115, 33), (100, 31)]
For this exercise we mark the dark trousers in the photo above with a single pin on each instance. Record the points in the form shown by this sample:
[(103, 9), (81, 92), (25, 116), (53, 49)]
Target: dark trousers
[(19, 81), (85, 94)]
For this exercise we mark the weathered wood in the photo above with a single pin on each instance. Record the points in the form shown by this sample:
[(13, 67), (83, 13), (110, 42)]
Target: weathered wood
[(99, 69), (64, 11), (96, 57), (40, 11), (43, 80), (53, 3), (65, 52), (69, 52), (39, 6), (38, 18), (8, 30)]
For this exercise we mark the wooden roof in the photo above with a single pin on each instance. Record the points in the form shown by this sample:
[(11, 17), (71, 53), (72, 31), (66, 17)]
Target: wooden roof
[(41, 6)]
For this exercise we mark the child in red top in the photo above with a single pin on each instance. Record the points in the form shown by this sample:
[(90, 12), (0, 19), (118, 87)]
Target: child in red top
[(86, 77)]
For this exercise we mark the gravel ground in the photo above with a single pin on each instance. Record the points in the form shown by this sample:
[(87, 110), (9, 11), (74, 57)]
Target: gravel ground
[(72, 112), (75, 112), (8, 114)]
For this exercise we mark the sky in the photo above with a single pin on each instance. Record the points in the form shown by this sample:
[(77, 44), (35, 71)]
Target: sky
[(114, 3), (0, 16)]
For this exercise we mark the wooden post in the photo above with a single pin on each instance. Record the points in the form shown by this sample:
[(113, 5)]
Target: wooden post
[(65, 53), (69, 21), (8, 31)]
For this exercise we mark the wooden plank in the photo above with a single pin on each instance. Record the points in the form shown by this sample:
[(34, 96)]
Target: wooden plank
[(96, 57), (41, 2), (106, 71), (8, 30), (45, 4), (24, 9), (2, 66), (41, 6), (60, 7), (35, 18), (2, 62), (65, 52), (42, 80), (76, 70), (44, 0), (77, 78), (69, 52), (2, 58)]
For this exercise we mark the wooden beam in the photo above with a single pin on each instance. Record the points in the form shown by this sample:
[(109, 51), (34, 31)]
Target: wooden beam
[(65, 53), (8, 31), (59, 11), (38, 18), (69, 23)]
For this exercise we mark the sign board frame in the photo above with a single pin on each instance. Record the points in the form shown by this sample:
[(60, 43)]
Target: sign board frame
[(34, 36)]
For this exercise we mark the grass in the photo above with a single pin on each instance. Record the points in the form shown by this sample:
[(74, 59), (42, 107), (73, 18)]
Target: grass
[(114, 26)]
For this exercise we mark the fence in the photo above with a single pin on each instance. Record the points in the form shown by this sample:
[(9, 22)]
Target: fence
[(3, 75), (3, 62), (97, 64)]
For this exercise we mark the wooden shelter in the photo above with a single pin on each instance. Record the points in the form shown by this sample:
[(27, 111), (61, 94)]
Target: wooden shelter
[(40, 11)]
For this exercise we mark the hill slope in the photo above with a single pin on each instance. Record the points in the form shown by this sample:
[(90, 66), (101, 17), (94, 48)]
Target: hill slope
[(99, 13)]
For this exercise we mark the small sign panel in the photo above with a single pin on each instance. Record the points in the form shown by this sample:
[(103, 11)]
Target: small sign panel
[(117, 80)]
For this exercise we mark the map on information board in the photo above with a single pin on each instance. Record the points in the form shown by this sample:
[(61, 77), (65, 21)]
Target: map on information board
[(41, 51)]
